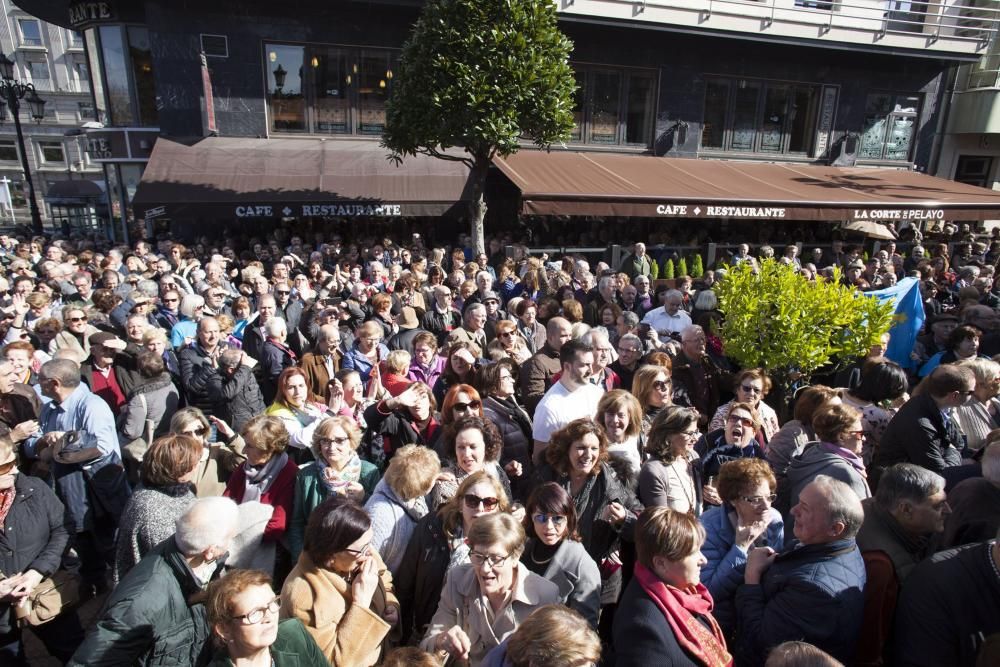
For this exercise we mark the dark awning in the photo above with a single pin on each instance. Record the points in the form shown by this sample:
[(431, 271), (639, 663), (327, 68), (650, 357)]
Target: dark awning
[(74, 191), (610, 184), (271, 178)]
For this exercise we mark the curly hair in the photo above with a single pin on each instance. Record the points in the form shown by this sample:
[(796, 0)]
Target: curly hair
[(740, 477), (267, 434), (451, 510), (491, 436), (557, 453), (670, 421)]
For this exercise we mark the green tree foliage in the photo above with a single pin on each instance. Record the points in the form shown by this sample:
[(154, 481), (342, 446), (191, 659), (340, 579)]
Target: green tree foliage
[(697, 267), (480, 75), (682, 267), (778, 320), (668, 269)]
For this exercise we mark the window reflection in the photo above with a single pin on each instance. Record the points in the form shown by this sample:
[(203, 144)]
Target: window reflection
[(141, 58), (284, 72), (116, 74), (604, 118), (332, 83), (373, 92)]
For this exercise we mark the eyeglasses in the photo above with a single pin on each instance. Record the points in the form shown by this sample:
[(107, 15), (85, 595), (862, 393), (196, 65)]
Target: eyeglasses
[(282, 292), (506, 334), (255, 616), (736, 419), (325, 443), (473, 502), (760, 500), (361, 551), (479, 560), (198, 432), (78, 319), (661, 385), (7, 467), (558, 520), (511, 377), (467, 407), (856, 434), (750, 389), (690, 435)]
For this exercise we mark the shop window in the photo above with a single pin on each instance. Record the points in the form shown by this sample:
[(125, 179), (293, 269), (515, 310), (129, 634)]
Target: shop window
[(8, 150), (890, 123), (86, 110), (748, 116), (974, 170), (613, 107), (116, 75), (80, 75), (141, 61), (128, 75), (31, 32), (52, 152), (328, 90)]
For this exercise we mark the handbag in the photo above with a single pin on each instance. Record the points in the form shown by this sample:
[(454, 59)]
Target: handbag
[(50, 597)]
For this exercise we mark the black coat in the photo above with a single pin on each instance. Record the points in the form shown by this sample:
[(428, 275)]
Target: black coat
[(274, 359), (192, 359), (918, 434), (34, 534), (420, 578), (237, 397), (642, 635)]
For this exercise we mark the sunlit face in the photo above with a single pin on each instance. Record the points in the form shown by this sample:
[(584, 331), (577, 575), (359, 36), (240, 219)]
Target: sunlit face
[(494, 568), (682, 443), (528, 316), (608, 317), (470, 450), (135, 327), (156, 345), (755, 504), (8, 473), (423, 353), (694, 344), (480, 490), (616, 423), (20, 360), (354, 556), (197, 430), (267, 309), (296, 391), (336, 447), (750, 390), (739, 427), (968, 347), (460, 364), (603, 354), (853, 438), (354, 388), (580, 368), (209, 334), (550, 529), (660, 391), (76, 321), (812, 517), (46, 334), (684, 573), (672, 305), (422, 409), (584, 454), (367, 342)]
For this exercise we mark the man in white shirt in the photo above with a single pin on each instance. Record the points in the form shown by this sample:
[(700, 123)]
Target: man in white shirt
[(572, 397), (669, 320)]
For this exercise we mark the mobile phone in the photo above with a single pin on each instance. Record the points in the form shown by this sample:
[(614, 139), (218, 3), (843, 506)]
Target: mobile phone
[(643, 331), (333, 301)]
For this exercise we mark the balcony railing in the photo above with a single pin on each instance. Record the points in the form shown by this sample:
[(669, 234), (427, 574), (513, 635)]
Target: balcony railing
[(963, 27)]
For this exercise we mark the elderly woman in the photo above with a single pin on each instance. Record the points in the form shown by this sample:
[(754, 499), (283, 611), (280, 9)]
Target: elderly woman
[(837, 455), (978, 417), (407, 419), (367, 351), (792, 438), (734, 441), (743, 521), (499, 385), (471, 444), (340, 588), (155, 340), (76, 332), (751, 385), (168, 468), (665, 615), (150, 405), (485, 601), (554, 635), (335, 470), (878, 396), (438, 545), (296, 408), (962, 343), (347, 397), (508, 344), (554, 551), (217, 460), (619, 413), (29, 506), (242, 612), (577, 460), (529, 329), (461, 367), (672, 476), (275, 357), (652, 386), (268, 474), (398, 501)]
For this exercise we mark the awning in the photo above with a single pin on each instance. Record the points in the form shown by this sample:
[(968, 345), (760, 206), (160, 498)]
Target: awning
[(610, 184), (74, 191), (242, 178)]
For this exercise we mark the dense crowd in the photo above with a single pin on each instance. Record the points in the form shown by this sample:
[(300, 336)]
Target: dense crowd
[(304, 449)]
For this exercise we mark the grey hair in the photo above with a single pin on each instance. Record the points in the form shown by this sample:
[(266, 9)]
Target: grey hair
[(706, 300), (230, 358), (66, 371), (149, 288), (191, 304), (905, 481), (596, 332), (480, 274), (630, 319), (631, 338), (605, 281), (275, 326), (673, 294), (204, 523), (473, 308), (842, 504), (985, 370), (991, 463)]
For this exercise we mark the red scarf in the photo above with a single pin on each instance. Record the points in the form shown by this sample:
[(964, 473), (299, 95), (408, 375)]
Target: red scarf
[(708, 646), (6, 502)]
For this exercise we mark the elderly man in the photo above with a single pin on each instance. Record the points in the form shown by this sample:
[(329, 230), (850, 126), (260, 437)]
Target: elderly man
[(908, 510), (698, 381), (975, 504), (254, 335), (572, 397), (606, 293), (638, 263), (473, 329), (155, 616), (323, 362), (81, 443), (276, 357), (537, 372), (206, 350), (231, 387), (813, 592), (669, 320), (442, 317)]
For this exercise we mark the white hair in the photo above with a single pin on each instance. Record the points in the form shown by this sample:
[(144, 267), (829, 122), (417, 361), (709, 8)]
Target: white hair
[(275, 326), (991, 463), (205, 523), (191, 304)]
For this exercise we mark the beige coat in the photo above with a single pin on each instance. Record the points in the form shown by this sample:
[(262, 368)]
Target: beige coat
[(349, 635), (217, 463), (462, 604)]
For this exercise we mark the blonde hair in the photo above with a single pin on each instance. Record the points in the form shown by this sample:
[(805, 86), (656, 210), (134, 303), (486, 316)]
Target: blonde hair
[(497, 529), (266, 433), (326, 427), (554, 635), (412, 471), (398, 362)]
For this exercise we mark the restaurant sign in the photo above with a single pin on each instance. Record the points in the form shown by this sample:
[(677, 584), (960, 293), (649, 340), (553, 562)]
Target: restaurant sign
[(898, 214), (348, 210), (704, 211)]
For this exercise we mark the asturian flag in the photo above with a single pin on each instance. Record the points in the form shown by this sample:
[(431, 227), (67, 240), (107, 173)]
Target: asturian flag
[(909, 318)]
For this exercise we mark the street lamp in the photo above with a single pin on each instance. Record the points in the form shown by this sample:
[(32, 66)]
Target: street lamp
[(11, 94)]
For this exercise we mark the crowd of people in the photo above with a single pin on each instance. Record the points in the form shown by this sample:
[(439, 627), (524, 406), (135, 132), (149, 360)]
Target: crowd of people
[(304, 449)]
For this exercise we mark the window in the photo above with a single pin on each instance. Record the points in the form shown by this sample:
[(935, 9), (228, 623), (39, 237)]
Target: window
[(749, 116), (8, 150), (52, 151), (74, 39), (328, 90), (974, 170), (128, 73), (825, 5), (890, 122), (80, 75), (906, 16), (986, 72), (31, 32), (38, 70), (86, 110), (613, 107)]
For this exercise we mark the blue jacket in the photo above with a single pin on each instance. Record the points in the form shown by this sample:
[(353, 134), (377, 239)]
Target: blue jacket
[(813, 593), (722, 574)]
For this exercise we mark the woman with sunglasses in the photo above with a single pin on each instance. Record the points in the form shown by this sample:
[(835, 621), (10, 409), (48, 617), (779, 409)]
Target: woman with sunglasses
[(462, 400), (438, 545), (336, 470), (653, 387), (471, 444), (218, 459), (553, 550), (838, 454), (734, 441), (751, 385), (499, 383), (340, 589), (462, 626), (242, 612), (672, 476), (745, 520), (508, 344)]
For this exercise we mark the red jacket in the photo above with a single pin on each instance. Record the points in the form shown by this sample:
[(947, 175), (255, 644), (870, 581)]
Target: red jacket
[(281, 496)]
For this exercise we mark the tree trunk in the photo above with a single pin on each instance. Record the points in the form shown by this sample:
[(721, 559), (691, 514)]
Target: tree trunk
[(477, 207)]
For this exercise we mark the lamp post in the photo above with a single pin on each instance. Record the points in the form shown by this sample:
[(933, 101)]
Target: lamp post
[(11, 94)]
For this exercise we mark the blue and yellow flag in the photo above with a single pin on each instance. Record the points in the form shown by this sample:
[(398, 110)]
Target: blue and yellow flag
[(909, 318)]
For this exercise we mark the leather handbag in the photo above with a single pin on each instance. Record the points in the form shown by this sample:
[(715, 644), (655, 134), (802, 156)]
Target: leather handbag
[(50, 598)]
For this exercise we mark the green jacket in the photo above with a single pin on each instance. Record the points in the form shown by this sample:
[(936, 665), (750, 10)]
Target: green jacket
[(310, 491), (294, 647)]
